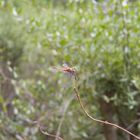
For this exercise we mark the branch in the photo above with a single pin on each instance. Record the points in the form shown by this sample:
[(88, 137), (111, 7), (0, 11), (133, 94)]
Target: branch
[(101, 121), (63, 116), (45, 132), (135, 122), (50, 135)]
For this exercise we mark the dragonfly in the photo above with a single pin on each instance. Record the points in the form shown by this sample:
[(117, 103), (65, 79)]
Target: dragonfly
[(66, 69)]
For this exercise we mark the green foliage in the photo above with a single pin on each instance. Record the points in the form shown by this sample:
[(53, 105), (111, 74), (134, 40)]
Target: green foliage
[(11, 39)]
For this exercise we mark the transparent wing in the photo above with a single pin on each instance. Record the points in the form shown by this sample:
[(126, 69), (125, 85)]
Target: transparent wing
[(65, 65)]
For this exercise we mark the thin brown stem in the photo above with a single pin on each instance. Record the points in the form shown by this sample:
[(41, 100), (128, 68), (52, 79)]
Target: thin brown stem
[(50, 135), (45, 132), (101, 121)]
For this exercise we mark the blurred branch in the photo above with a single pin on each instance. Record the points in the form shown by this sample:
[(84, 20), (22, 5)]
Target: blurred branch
[(45, 132), (63, 116), (131, 125), (3, 75), (50, 135), (5, 3), (126, 47)]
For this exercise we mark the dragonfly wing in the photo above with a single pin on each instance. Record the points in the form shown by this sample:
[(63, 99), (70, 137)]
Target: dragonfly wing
[(56, 69), (65, 65)]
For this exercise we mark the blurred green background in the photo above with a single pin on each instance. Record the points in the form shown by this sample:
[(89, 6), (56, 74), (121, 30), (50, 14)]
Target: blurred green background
[(101, 39)]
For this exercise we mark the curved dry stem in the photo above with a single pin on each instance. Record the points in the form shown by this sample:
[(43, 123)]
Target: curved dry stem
[(50, 135), (45, 132), (101, 121)]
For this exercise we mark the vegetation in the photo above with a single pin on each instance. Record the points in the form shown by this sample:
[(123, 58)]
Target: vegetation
[(99, 38)]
